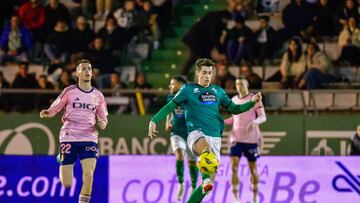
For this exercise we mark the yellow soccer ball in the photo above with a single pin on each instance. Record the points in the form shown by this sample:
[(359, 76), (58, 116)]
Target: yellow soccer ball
[(208, 163)]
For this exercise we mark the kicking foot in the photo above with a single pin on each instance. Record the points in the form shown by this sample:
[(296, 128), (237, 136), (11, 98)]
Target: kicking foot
[(207, 186), (180, 192)]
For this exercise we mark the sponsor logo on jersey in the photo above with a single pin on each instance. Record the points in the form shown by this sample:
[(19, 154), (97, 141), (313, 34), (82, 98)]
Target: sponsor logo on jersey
[(207, 98), (196, 90), (79, 105), (179, 112)]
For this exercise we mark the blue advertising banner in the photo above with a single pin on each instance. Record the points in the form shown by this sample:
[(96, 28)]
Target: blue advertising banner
[(35, 179)]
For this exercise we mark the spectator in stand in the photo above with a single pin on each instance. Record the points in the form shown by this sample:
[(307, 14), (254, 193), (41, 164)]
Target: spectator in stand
[(81, 38), (142, 84), (149, 24), (318, 68), (32, 14), (112, 36), (255, 81), (265, 40), (223, 75), (128, 19), (349, 40), (297, 17), (115, 84), (65, 80), (347, 11), (239, 42), (44, 100), (324, 24), (355, 143), (7, 10), (100, 58), (292, 66), (24, 80), (207, 45), (4, 98), (15, 42), (103, 9), (57, 44), (54, 11)]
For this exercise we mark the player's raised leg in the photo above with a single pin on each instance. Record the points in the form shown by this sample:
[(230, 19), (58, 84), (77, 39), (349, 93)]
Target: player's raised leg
[(88, 167)]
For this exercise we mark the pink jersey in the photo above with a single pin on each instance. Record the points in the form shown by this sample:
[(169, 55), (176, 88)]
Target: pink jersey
[(81, 110), (240, 122)]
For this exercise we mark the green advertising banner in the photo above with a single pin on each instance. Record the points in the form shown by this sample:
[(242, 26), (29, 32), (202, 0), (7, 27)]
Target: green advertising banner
[(27, 134)]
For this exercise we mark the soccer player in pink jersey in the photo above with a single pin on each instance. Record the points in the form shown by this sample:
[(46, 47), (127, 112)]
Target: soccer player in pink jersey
[(244, 137), (83, 105)]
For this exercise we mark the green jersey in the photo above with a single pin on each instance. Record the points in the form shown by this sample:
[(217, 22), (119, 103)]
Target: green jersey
[(201, 106), (178, 122)]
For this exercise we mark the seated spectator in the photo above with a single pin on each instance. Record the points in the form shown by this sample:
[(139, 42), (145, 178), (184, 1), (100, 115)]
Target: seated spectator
[(324, 24), (318, 66), (54, 11), (149, 24), (115, 84), (43, 101), (349, 40), (128, 19), (100, 58), (223, 75), (4, 98), (112, 36), (265, 40), (57, 44), (344, 13), (32, 14), (65, 80), (15, 42), (292, 66), (355, 143), (142, 84), (255, 81), (24, 102), (81, 38), (239, 42)]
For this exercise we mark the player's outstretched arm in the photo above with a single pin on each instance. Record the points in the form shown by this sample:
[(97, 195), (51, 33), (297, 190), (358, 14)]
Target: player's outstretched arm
[(44, 113), (241, 108), (164, 111)]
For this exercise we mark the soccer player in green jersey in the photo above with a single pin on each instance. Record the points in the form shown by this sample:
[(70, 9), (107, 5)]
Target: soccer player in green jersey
[(201, 102), (175, 122)]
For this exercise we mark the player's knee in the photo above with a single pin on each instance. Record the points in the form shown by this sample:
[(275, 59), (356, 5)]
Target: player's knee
[(66, 182), (179, 154), (88, 175)]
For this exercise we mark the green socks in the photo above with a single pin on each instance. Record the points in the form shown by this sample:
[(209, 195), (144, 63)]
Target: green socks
[(180, 170), (193, 174), (197, 195)]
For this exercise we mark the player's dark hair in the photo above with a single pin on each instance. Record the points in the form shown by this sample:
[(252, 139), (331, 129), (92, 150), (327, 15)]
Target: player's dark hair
[(204, 62), (82, 61), (180, 78)]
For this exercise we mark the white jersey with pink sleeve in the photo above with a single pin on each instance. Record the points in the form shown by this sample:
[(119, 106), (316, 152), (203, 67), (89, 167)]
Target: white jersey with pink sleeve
[(81, 111), (240, 131)]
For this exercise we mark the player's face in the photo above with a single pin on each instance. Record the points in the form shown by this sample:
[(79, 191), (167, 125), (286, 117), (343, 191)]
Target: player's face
[(174, 86), (204, 75), (84, 72), (241, 86)]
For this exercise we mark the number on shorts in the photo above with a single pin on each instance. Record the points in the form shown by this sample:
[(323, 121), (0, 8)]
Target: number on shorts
[(65, 148)]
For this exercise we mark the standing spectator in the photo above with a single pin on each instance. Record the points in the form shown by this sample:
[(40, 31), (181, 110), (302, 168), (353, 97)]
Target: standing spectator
[(4, 98), (65, 80), (142, 84), (32, 14), (100, 58), (324, 24), (44, 100), (318, 66), (24, 102), (349, 40), (265, 40), (57, 45), (81, 38), (254, 80), (347, 11), (15, 42), (292, 65), (116, 84), (103, 8), (355, 143), (55, 11), (149, 23)]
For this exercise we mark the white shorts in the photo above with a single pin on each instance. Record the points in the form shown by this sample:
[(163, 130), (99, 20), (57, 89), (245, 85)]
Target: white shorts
[(214, 142), (177, 142)]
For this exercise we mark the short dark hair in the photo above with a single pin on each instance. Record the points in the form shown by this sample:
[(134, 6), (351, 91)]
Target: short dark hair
[(23, 63), (266, 18), (203, 62), (82, 61), (43, 76), (180, 78)]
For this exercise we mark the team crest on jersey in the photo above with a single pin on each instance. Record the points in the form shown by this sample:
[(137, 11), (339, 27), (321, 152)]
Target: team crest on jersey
[(214, 89), (179, 112), (207, 98), (196, 90), (95, 100)]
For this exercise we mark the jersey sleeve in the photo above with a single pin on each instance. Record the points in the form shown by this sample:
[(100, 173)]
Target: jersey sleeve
[(102, 112), (59, 103), (224, 98), (260, 112), (180, 96)]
